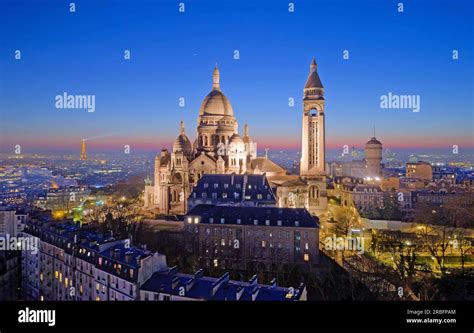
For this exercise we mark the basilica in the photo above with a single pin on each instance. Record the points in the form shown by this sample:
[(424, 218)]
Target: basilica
[(220, 149)]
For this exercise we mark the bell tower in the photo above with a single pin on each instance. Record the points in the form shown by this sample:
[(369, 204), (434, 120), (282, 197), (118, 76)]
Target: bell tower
[(313, 139), (313, 148)]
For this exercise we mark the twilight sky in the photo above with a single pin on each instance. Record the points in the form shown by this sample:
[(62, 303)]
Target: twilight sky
[(173, 54)]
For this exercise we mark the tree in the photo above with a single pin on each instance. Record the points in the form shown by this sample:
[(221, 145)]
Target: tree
[(119, 217), (346, 219), (436, 230), (390, 209)]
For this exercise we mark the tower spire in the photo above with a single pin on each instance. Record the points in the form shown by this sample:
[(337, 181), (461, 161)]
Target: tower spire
[(314, 65), (83, 151), (246, 130), (216, 79), (181, 127), (313, 86)]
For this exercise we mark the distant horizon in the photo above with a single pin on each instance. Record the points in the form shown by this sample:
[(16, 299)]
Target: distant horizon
[(261, 150)]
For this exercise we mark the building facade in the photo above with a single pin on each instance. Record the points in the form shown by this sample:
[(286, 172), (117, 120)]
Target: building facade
[(75, 263), (249, 238)]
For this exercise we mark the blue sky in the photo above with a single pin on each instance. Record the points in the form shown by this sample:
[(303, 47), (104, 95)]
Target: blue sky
[(173, 54)]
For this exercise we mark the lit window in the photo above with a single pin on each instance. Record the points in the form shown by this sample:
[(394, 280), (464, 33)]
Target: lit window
[(306, 257), (306, 246), (215, 263), (196, 220), (264, 244), (190, 220), (56, 274)]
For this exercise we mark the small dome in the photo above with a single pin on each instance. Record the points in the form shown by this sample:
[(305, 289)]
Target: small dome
[(236, 139), (216, 103), (374, 141), (183, 144)]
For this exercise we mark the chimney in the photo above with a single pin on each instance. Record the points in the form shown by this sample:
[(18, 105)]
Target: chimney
[(173, 270), (239, 292), (174, 282), (253, 280), (255, 292), (128, 256), (199, 274), (218, 283), (190, 284), (273, 283)]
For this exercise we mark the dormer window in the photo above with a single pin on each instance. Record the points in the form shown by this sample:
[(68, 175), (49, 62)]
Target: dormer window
[(211, 220), (255, 222), (222, 220), (297, 223), (226, 185), (206, 185), (239, 221), (267, 222), (279, 223), (216, 185)]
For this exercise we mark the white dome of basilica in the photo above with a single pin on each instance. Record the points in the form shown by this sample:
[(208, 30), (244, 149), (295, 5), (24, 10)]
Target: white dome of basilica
[(215, 102)]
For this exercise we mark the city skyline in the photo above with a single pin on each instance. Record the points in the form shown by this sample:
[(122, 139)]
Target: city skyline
[(137, 99)]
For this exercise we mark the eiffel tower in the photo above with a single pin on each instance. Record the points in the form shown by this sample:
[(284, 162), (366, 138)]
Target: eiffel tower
[(83, 151)]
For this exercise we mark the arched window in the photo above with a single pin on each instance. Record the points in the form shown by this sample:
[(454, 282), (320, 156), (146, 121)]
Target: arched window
[(313, 113), (313, 192)]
